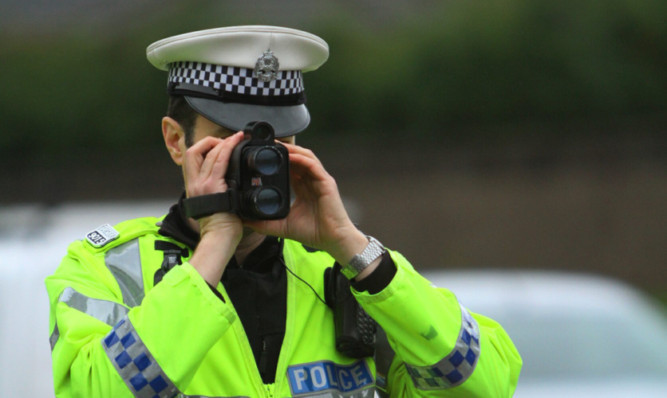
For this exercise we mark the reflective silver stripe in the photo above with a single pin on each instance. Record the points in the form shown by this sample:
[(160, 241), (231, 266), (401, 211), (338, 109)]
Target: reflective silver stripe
[(456, 367), (135, 364), (54, 337), (124, 262), (102, 310)]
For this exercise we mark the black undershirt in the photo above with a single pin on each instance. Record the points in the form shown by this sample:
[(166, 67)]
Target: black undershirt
[(258, 290)]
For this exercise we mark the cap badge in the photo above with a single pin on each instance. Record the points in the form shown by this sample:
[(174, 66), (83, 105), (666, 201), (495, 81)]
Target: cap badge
[(266, 68)]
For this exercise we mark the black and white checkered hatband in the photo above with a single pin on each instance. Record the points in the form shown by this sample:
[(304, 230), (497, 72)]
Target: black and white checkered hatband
[(235, 84)]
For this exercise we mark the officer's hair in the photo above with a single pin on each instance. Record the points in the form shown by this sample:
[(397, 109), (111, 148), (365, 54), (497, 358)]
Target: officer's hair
[(179, 110)]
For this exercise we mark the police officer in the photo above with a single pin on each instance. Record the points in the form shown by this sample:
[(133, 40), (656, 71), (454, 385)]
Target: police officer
[(204, 302)]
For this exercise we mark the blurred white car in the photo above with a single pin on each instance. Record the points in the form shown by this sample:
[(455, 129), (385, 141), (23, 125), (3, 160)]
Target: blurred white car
[(579, 335)]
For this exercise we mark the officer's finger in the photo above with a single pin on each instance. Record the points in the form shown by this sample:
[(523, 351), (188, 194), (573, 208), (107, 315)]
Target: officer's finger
[(194, 156), (304, 163), (293, 148), (221, 160), (203, 146), (209, 160), (206, 155)]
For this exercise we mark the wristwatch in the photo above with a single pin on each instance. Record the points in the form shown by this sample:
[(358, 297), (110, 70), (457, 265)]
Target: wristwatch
[(362, 260)]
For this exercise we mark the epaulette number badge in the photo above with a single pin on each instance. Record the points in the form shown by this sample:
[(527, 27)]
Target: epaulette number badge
[(102, 235)]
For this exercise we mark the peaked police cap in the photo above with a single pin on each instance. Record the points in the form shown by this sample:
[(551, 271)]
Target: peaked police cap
[(236, 75)]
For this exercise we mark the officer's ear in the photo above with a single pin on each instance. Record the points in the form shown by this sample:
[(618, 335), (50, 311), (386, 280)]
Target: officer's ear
[(174, 139)]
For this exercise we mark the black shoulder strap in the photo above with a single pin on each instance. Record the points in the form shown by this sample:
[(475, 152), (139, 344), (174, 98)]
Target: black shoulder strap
[(173, 255)]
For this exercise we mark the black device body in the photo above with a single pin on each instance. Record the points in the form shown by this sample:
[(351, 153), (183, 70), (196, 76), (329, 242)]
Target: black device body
[(258, 174), (355, 329)]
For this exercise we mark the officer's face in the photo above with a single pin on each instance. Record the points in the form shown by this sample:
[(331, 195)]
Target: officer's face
[(205, 128)]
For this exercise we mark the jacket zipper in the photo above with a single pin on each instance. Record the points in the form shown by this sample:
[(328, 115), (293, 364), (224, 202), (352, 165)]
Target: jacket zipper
[(269, 390), (263, 360)]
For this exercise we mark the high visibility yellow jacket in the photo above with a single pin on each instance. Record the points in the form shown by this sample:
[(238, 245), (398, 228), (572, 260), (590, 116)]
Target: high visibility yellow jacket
[(115, 334)]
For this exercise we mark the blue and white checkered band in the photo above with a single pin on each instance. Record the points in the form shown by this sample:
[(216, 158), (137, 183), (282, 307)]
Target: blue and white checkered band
[(457, 366), (235, 80), (135, 364)]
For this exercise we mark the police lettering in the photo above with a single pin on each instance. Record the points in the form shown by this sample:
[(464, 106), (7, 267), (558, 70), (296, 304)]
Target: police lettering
[(320, 376)]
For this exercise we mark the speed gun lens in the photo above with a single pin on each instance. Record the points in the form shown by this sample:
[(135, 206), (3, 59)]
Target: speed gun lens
[(265, 161), (267, 201)]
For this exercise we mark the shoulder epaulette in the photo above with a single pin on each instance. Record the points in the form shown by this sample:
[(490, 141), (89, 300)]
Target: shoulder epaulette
[(107, 234)]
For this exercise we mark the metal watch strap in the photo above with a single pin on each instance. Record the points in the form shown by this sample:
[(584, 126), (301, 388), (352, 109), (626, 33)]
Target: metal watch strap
[(362, 260), (201, 206)]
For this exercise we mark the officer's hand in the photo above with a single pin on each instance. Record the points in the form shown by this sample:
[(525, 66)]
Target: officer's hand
[(317, 217), (204, 167)]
